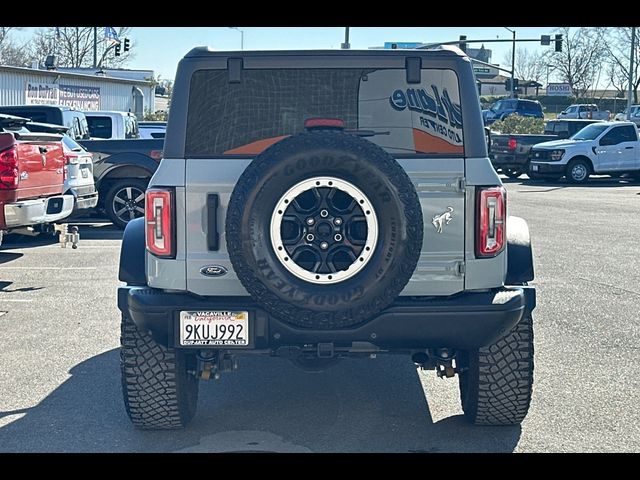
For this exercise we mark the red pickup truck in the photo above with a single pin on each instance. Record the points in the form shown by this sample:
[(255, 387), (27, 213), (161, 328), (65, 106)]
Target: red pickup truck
[(31, 177)]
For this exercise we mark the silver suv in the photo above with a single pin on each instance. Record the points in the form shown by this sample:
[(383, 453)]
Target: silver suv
[(318, 205)]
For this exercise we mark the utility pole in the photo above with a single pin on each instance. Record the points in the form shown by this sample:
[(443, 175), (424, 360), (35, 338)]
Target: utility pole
[(95, 47), (631, 55), (345, 45), (513, 61)]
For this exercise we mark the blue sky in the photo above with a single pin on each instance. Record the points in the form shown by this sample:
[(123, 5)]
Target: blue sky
[(160, 48)]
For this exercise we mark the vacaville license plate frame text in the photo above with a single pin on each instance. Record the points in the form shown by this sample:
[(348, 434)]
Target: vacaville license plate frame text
[(214, 328)]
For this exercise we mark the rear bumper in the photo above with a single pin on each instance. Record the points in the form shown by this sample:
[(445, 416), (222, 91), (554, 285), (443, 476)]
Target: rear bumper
[(37, 211), (464, 321), (86, 196)]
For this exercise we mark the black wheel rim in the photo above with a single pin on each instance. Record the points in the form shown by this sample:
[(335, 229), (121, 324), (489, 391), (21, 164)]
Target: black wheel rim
[(128, 203)]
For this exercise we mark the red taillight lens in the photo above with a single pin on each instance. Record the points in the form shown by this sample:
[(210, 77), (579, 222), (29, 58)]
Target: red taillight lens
[(159, 222), (513, 143), (9, 174), (492, 209)]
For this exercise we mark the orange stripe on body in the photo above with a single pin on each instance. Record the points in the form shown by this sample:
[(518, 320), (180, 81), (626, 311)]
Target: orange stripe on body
[(254, 148), (426, 143)]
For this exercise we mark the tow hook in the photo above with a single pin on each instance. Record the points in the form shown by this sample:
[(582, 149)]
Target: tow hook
[(444, 362), (212, 364), (67, 235), (439, 358)]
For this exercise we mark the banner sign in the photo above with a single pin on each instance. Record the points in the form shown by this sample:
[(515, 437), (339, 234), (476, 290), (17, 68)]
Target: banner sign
[(73, 96), (80, 98), (559, 90)]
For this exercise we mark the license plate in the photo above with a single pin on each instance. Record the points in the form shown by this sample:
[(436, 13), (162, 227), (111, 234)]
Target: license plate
[(214, 328), (85, 172), (534, 168)]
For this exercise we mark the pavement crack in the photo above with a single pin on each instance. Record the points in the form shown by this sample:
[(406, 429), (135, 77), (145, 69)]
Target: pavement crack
[(632, 292)]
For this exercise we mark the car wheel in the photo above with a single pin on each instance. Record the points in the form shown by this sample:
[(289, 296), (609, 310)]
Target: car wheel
[(513, 172), (324, 229), (125, 201), (578, 171), (159, 387), (496, 381)]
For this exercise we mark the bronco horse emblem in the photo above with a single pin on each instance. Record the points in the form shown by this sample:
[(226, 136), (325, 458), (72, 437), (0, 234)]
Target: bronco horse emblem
[(443, 219)]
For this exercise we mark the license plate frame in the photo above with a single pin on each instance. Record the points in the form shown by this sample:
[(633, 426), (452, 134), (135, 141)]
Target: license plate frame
[(207, 329)]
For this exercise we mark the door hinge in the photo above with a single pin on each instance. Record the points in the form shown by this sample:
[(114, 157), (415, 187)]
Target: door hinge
[(459, 269), (461, 184)]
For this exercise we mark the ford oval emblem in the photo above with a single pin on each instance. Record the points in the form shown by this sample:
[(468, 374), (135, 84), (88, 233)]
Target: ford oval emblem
[(213, 271)]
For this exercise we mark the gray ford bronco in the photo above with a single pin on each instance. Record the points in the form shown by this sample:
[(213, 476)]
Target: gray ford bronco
[(317, 205)]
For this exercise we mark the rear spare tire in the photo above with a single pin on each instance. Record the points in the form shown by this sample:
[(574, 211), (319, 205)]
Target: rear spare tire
[(324, 229)]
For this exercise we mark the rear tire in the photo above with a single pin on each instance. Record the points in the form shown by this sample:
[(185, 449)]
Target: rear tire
[(115, 202), (159, 392), (496, 382)]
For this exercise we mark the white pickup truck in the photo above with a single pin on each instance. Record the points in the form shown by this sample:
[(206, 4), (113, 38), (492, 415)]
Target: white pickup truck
[(583, 110), (600, 148), (112, 125)]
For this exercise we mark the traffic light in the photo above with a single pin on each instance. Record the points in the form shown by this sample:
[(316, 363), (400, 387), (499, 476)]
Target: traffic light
[(515, 84), (117, 50), (507, 84), (558, 42), (463, 43), (126, 45)]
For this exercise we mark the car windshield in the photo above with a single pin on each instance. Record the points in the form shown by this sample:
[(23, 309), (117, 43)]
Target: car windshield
[(590, 132)]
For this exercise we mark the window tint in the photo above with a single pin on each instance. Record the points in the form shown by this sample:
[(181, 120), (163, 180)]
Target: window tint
[(618, 135), (99, 127), (245, 118), (530, 107), (572, 109)]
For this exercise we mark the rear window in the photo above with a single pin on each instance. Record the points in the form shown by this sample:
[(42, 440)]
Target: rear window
[(530, 107), (99, 127), (71, 144), (268, 105)]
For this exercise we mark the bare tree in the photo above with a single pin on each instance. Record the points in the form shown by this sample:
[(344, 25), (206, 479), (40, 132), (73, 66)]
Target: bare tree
[(529, 65), (617, 45), (73, 47), (580, 60), (12, 53)]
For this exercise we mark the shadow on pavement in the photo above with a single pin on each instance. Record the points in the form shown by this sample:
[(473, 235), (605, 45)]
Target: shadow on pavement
[(6, 257), (4, 285), (268, 405), (594, 182), (103, 231)]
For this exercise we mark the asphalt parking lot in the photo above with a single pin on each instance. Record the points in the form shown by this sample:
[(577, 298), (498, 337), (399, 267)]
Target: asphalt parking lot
[(60, 381)]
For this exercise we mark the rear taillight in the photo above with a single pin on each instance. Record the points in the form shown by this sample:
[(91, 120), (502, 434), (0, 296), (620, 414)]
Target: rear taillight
[(159, 222), (156, 154), (513, 143), (491, 216), (9, 174)]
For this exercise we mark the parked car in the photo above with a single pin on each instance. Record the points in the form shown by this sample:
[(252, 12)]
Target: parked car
[(31, 178), (122, 169), (78, 179), (74, 120), (300, 220), (152, 129), (510, 153), (112, 125), (624, 115), (512, 106), (610, 148), (582, 110)]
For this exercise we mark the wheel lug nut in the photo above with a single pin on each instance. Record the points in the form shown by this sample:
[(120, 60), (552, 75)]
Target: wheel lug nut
[(324, 213), (310, 221), (337, 237), (337, 221), (310, 237), (324, 245)]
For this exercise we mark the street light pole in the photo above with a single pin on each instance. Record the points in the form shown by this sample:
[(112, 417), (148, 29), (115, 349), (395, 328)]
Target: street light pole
[(513, 61), (241, 36), (346, 45)]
